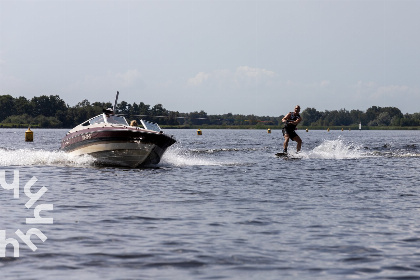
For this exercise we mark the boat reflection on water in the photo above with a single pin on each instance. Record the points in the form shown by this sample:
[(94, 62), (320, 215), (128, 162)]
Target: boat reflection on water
[(113, 142)]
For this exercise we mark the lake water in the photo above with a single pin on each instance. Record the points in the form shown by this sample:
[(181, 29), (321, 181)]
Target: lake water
[(220, 206)]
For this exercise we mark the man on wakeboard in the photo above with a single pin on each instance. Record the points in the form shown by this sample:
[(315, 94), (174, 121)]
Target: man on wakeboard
[(291, 120)]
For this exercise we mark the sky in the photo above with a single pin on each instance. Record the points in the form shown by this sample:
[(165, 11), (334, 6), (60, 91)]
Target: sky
[(220, 56)]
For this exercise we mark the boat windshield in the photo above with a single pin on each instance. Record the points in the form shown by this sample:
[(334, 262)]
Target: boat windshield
[(116, 119), (97, 119), (104, 118)]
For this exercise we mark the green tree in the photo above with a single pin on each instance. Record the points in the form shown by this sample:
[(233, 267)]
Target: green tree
[(197, 118), (123, 108), (19, 119), (7, 106), (47, 105), (372, 113), (384, 119), (158, 110), (357, 117), (310, 116), (144, 109), (22, 105)]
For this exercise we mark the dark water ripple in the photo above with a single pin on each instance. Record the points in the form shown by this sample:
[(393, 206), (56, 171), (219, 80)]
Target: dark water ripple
[(222, 206)]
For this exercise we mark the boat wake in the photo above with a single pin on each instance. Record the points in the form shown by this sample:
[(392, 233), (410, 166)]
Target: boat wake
[(223, 150), (177, 156), (28, 157), (339, 149), (336, 149)]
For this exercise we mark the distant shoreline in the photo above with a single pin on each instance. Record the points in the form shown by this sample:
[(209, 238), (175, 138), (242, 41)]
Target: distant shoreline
[(300, 128), (265, 127)]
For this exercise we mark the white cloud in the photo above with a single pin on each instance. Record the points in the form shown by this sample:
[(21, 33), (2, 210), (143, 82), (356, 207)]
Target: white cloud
[(250, 72), (361, 84), (128, 78), (374, 91), (390, 91), (111, 80), (242, 75), (198, 79)]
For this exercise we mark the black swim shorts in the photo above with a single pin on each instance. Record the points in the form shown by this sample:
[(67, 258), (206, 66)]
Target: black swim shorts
[(291, 132)]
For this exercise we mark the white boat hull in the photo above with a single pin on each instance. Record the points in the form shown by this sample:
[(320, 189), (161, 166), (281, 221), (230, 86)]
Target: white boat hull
[(119, 154)]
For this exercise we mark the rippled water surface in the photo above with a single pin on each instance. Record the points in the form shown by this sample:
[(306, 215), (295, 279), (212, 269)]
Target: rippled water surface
[(220, 206)]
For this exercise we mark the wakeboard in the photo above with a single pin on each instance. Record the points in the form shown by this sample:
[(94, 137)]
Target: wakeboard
[(286, 156), (281, 155)]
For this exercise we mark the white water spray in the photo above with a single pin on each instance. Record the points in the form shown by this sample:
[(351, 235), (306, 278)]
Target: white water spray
[(335, 149), (181, 157), (27, 157)]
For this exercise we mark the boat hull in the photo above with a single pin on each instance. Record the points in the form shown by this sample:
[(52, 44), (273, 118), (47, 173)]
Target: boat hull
[(118, 146)]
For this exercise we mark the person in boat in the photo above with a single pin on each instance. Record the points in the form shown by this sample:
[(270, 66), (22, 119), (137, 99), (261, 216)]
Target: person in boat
[(133, 123), (291, 120)]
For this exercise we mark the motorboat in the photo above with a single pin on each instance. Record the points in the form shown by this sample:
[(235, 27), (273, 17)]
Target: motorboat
[(113, 142)]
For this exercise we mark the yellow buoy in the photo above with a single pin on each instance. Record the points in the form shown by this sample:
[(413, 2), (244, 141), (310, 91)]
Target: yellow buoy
[(328, 129), (269, 130), (29, 135), (199, 132), (306, 130), (342, 129)]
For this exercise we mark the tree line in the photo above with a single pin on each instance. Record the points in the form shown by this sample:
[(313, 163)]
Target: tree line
[(53, 112)]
